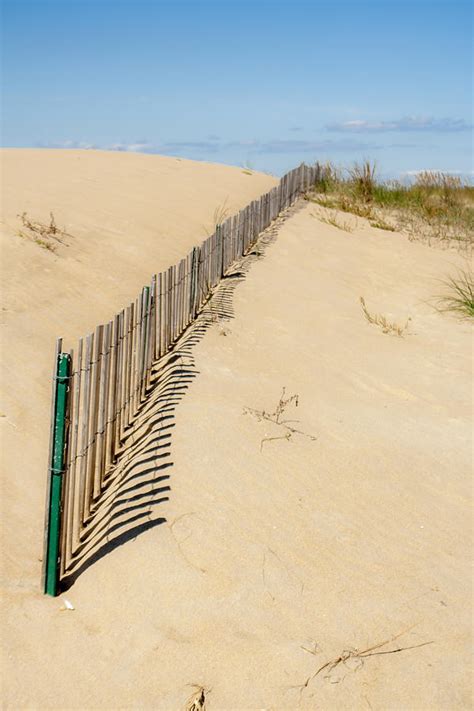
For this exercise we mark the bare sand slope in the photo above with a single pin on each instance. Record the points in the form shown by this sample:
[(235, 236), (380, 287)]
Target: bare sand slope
[(337, 543), (128, 216)]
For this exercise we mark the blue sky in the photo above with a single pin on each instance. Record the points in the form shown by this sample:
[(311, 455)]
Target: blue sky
[(264, 84)]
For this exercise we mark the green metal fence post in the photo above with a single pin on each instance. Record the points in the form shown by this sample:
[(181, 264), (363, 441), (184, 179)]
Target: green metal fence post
[(57, 458)]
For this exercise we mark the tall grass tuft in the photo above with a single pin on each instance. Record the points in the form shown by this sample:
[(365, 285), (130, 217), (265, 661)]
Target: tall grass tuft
[(362, 178), (460, 296)]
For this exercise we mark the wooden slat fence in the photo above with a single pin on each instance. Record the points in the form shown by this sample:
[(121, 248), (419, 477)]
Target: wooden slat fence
[(111, 367)]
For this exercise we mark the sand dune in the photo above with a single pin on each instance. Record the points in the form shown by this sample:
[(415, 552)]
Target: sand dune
[(128, 216), (270, 546)]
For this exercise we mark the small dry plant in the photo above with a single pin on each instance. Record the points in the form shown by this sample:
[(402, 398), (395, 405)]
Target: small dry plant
[(356, 656), (331, 219), (393, 329), (41, 233), (276, 418), (197, 700), (221, 213)]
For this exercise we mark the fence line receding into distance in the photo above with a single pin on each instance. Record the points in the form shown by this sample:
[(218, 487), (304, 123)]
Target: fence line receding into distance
[(100, 387)]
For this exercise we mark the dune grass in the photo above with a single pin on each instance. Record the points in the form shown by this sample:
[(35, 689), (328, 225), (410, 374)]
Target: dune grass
[(334, 222), (459, 296), (434, 208)]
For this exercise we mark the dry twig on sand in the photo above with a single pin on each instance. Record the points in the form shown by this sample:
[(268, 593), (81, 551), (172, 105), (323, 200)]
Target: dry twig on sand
[(360, 655), (275, 418)]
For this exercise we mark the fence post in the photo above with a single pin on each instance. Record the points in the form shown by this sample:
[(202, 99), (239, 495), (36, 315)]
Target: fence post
[(51, 558)]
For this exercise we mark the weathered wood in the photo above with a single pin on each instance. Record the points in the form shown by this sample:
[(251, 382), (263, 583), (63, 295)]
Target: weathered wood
[(174, 308), (169, 321), (112, 396), (128, 367), (108, 395), (85, 426), (182, 277), (117, 402), (135, 357), (101, 408), (151, 355), (74, 448), (144, 345), (93, 420), (160, 317)]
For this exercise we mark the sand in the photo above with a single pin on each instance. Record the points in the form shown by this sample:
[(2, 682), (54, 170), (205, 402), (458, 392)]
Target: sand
[(129, 216), (255, 553)]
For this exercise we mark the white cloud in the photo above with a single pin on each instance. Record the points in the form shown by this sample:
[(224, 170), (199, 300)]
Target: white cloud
[(407, 123)]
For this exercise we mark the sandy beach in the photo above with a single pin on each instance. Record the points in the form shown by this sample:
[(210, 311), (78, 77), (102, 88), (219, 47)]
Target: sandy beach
[(342, 546)]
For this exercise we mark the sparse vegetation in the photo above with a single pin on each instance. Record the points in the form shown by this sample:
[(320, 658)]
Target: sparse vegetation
[(459, 296), (362, 180), (221, 213), (275, 418), (435, 208), (381, 224), (379, 320), (332, 220), (46, 235), (357, 656)]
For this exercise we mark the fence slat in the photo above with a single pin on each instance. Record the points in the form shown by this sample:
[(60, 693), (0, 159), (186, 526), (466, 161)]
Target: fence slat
[(85, 427), (75, 433), (112, 393), (93, 421), (102, 410)]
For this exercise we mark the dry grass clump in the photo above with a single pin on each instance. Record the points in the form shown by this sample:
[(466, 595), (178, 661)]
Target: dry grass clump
[(387, 326), (436, 208), (459, 298), (46, 235), (331, 219), (362, 179), (381, 224)]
